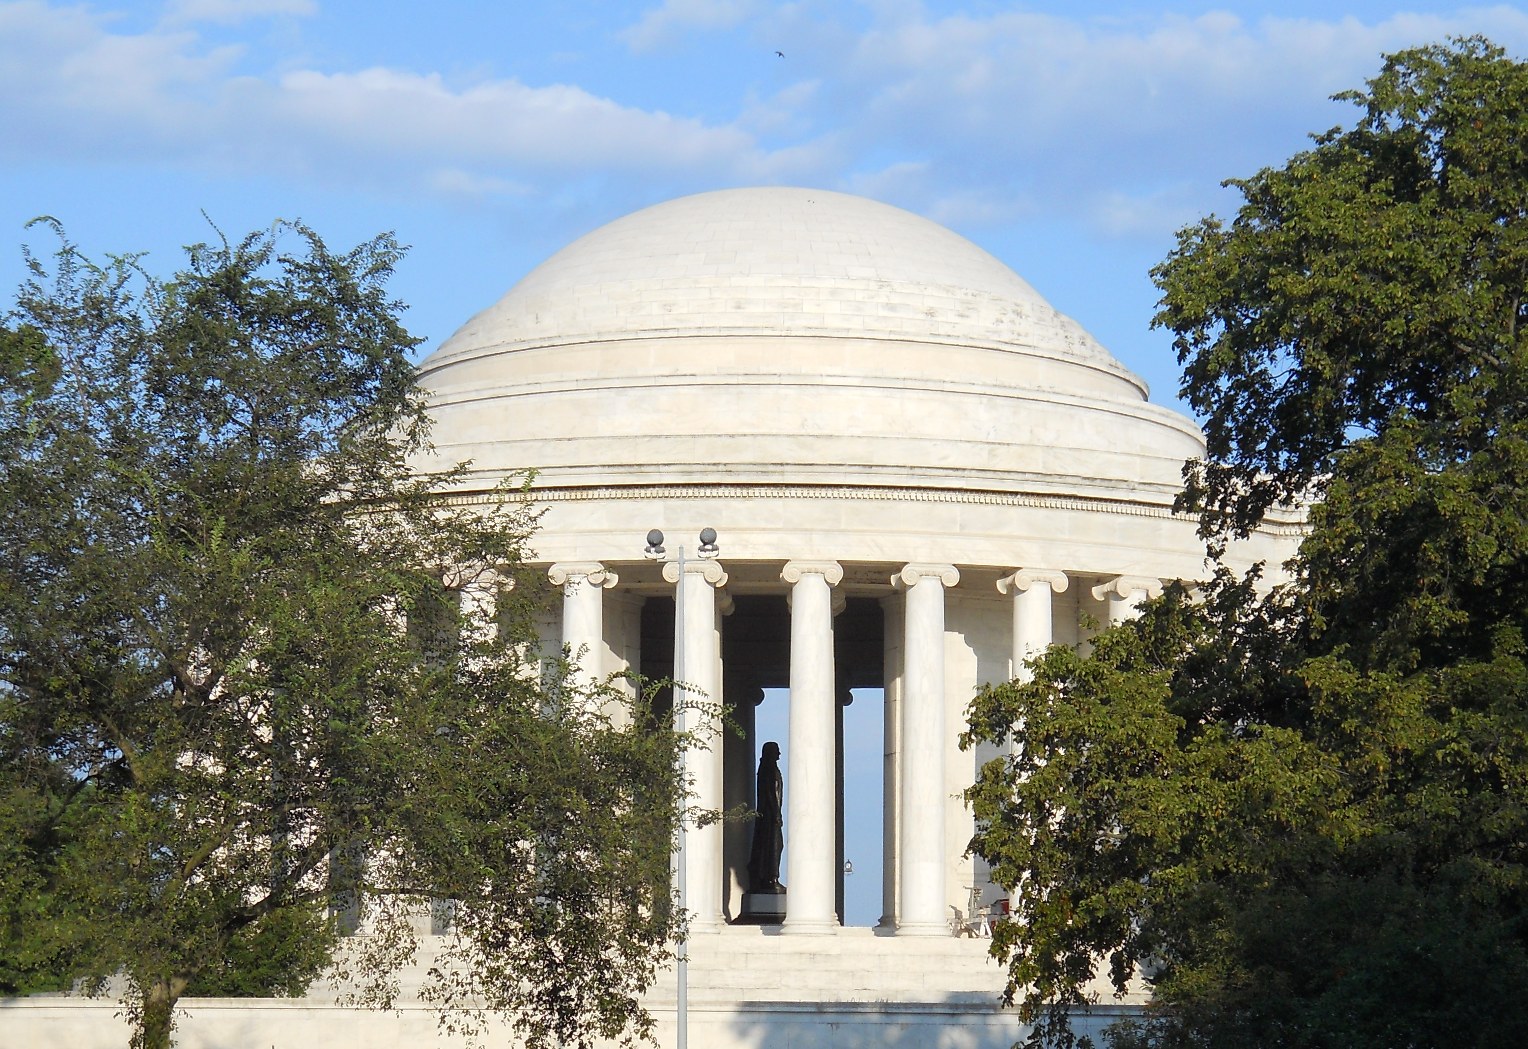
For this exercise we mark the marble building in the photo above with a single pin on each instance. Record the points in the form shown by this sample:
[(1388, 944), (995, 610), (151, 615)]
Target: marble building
[(918, 472)]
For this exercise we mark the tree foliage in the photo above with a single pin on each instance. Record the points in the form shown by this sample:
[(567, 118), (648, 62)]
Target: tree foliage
[(1303, 814), (245, 681)]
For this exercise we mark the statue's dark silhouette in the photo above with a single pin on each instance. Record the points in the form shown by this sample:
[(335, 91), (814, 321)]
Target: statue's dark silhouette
[(768, 824)]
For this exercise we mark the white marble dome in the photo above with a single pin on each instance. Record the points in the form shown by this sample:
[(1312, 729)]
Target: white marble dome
[(799, 336), (777, 261)]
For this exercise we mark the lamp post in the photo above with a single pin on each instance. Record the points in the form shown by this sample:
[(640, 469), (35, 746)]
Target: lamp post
[(654, 551)]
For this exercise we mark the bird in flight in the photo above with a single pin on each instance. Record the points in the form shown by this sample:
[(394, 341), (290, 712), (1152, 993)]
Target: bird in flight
[(780, 54)]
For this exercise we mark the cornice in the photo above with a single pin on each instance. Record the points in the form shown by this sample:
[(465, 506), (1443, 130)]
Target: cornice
[(876, 493)]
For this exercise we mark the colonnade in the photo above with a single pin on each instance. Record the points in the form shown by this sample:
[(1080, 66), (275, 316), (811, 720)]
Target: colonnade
[(923, 898)]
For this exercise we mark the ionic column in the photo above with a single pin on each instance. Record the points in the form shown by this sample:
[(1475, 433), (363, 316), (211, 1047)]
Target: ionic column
[(479, 605), (891, 739), (811, 756), (1125, 595), (698, 683), (583, 615), (718, 765), (921, 758), (1032, 617)]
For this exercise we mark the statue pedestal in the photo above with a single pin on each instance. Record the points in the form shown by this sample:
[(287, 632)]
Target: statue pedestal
[(762, 908)]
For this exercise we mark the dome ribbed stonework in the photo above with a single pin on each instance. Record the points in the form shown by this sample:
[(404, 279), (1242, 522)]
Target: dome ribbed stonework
[(777, 261), (793, 337)]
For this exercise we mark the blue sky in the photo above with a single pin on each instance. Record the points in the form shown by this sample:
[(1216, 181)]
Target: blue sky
[(1069, 139)]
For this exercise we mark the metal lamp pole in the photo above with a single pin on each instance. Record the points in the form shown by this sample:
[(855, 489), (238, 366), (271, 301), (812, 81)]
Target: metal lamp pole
[(682, 963)]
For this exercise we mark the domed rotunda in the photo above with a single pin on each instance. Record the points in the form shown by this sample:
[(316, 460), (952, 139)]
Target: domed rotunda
[(918, 473)]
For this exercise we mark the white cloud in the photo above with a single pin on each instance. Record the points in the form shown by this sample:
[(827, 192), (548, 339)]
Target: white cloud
[(787, 111), (899, 180), (979, 207), (454, 182), (662, 24), (927, 188), (1117, 213), (543, 127), (1129, 123), (232, 12), (70, 88)]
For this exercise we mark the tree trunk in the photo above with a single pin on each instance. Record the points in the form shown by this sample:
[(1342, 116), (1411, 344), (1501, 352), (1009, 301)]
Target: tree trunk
[(158, 1018)]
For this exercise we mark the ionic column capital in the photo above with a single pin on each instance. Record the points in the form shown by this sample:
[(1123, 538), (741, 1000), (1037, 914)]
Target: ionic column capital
[(832, 571), (911, 574), (479, 581), (1124, 586), (710, 571), (592, 572), (1023, 579)]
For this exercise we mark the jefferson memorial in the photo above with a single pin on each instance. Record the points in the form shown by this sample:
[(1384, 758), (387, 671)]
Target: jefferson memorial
[(917, 473), (911, 473)]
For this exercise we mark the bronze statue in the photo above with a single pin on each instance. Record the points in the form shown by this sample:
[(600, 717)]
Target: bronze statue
[(768, 823)]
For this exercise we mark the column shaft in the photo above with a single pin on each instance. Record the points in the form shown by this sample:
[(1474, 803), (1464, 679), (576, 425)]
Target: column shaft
[(923, 909), (1032, 613), (891, 737), (583, 616), (699, 686), (479, 605), (811, 760)]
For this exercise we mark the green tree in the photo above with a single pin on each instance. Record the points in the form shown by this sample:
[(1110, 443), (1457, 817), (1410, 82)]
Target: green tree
[(245, 684), (1304, 814)]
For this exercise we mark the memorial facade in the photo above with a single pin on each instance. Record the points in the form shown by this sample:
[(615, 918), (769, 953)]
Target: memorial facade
[(918, 472)]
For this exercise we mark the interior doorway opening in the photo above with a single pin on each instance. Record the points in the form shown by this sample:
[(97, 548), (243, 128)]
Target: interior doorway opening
[(862, 794), (756, 695), (859, 663)]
